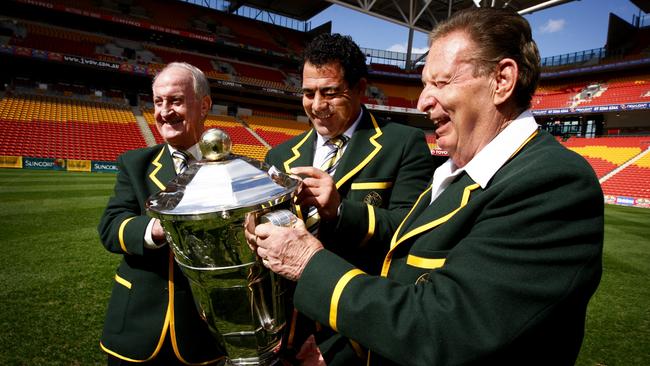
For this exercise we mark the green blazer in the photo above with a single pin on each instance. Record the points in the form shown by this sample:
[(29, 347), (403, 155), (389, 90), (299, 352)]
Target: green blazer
[(493, 276), (383, 170), (150, 296)]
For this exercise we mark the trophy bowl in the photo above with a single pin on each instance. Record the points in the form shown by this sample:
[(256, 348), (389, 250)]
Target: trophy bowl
[(203, 212)]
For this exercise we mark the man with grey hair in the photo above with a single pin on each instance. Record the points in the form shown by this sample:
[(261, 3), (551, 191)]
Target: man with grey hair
[(151, 317), (497, 260)]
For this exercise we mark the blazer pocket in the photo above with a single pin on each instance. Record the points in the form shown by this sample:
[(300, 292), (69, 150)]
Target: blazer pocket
[(118, 305), (375, 192)]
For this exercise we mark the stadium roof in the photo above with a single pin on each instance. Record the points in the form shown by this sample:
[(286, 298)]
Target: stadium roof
[(421, 15), (296, 9), (642, 4)]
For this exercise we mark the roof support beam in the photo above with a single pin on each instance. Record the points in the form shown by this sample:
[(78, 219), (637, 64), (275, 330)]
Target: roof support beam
[(542, 6)]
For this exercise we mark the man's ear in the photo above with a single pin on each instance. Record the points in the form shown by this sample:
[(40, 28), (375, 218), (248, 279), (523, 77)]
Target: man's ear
[(506, 77), (206, 104)]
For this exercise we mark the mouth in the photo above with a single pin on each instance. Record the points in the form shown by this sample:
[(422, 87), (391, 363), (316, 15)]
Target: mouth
[(439, 122), (321, 115), (172, 121)]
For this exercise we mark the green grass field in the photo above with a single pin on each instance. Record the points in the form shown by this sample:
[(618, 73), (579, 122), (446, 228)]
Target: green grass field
[(56, 276)]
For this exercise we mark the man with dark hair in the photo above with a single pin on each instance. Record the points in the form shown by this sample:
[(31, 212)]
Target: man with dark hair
[(361, 174), (497, 260), (151, 317)]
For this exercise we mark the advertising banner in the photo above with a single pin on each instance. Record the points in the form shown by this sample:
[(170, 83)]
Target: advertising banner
[(78, 165), (44, 163), (104, 166), (11, 162)]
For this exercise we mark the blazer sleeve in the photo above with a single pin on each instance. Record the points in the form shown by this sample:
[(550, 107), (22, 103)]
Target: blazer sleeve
[(527, 257), (123, 223)]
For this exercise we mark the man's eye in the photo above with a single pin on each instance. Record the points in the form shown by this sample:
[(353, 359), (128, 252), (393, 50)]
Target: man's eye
[(309, 95)]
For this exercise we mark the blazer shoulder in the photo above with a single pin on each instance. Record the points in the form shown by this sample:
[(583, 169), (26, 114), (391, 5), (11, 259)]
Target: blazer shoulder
[(144, 154), (545, 155)]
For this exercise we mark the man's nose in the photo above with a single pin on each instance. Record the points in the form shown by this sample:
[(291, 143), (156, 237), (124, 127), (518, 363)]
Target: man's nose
[(423, 101), (166, 109), (426, 101), (320, 103)]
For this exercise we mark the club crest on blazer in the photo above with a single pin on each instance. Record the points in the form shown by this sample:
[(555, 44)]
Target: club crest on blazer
[(373, 199)]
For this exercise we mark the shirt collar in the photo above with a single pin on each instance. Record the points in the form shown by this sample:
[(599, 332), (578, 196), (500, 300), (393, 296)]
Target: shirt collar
[(496, 153), (320, 140), (194, 150)]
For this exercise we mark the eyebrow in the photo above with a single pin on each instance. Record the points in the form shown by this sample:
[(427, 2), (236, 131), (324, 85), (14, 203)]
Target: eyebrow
[(324, 89)]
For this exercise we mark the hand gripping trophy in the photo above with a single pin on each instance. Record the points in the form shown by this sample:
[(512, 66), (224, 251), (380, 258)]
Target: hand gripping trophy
[(203, 211)]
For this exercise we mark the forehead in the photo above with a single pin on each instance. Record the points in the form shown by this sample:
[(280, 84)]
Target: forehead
[(173, 81), (327, 75), (446, 53)]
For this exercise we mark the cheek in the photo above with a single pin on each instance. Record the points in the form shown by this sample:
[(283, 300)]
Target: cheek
[(342, 109)]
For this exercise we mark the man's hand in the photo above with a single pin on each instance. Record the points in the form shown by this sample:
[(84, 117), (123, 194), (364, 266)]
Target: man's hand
[(309, 354), (158, 233), (285, 251), (318, 190)]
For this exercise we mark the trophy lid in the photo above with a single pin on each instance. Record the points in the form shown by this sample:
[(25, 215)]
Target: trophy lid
[(220, 182)]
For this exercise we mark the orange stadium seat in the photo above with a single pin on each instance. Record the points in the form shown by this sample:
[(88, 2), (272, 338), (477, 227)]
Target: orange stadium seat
[(633, 181), (275, 130), (606, 153), (53, 127)]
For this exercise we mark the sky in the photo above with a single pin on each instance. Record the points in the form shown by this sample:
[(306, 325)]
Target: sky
[(576, 26)]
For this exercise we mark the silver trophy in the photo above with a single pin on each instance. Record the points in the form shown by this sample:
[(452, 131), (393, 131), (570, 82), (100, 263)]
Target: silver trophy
[(203, 212)]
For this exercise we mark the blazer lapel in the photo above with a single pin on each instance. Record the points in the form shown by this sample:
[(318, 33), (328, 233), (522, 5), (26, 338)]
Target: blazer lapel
[(302, 153), (161, 170), (449, 201), (424, 216), (362, 148)]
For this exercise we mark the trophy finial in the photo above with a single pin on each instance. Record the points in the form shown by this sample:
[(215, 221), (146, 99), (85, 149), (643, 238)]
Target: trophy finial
[(215, 144)]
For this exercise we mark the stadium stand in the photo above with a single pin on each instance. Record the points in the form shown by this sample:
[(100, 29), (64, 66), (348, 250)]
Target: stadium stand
[(585, 98), (632, 181), (608, 153), (274, 130), (57, 127)]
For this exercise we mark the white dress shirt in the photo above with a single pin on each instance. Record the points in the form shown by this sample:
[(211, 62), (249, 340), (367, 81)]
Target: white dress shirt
[(196, 154), (490, 159)]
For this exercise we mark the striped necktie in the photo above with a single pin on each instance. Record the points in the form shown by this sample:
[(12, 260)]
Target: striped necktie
[(182, 158), (329, 165), (333, 157)]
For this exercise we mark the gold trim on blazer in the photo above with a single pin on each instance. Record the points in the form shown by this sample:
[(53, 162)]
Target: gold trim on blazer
[(371, 185), (296, 153), (120, 234), (371, 224), (122, 281), (158, 166), (336, 294), (426, 263), (370, 156)]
